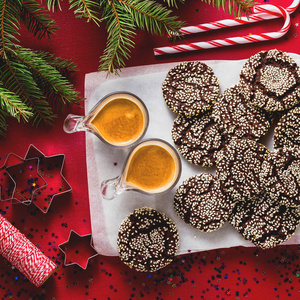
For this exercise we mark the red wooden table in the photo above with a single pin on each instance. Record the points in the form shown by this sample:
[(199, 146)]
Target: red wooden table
[(234, 273)]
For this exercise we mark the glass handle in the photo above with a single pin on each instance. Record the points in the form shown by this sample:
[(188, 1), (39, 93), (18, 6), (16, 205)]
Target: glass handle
[(73, 123), (111, 188)]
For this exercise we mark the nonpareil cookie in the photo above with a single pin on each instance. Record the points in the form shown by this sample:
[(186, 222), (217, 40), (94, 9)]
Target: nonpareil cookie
[(236, 118), (147, 240), (272, 80), (287, 131), (198, 139), (190, 88), (265, 222), (201, 202), (238, 167), (280, 175)]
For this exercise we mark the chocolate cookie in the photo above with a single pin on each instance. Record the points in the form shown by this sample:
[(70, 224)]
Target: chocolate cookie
[(265, 222), (272, 79), (287, 131), (198, 139), (147, 240), (236, 118), (201, 202), (280, 176), (190, 88), (238, 168)]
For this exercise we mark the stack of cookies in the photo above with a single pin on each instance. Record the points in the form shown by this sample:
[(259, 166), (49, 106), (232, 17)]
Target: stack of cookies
[(254, 189)]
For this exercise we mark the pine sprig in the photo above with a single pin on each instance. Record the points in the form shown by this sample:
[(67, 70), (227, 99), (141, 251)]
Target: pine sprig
[(236, 7), (87, 9), (18, 79), (152, 17), (13, 105), (30, 80), (37, 20), (121, 30), (123, 17), (63, 66), (9, 23), (47, 77)]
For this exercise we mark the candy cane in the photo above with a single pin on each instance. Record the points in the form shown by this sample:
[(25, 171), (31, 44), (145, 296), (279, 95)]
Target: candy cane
[(260, 14), (24, 255), (271, 9)]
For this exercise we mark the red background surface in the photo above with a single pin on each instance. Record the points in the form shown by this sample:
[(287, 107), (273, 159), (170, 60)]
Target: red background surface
[(234, 273)]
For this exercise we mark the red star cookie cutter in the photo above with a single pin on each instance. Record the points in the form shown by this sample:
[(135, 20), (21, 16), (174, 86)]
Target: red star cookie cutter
[(36, 178), (78, 249)]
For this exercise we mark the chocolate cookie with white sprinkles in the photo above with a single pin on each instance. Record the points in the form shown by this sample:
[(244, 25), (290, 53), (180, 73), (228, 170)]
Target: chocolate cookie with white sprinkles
[(280, 175), (238, 167), (272, 80), (148, 240), (236, 118), (287, 131), (190, 88), (265, 222), (201, 202), (198, 139)]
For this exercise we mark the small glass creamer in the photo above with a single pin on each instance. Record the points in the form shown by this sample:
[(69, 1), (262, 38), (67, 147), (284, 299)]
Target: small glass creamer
[(152, 167), (119, 119)]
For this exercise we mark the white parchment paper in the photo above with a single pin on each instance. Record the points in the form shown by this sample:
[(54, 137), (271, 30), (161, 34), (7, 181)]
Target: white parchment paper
[(105, 162)]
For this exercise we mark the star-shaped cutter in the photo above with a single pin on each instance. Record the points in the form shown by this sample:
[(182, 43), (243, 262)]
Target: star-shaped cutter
[(50, 169), (72, 247), (20, 179), (40, 189)]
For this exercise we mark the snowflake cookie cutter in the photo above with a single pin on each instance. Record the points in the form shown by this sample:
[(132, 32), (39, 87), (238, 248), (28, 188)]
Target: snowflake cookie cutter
[(75, 245)]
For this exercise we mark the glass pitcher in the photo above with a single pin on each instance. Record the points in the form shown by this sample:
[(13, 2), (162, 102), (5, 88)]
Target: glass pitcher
[(119, 119), (153, 166)]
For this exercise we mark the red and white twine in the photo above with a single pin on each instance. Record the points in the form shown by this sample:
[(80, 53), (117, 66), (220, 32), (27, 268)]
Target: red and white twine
[(261, 12), (23, 254)]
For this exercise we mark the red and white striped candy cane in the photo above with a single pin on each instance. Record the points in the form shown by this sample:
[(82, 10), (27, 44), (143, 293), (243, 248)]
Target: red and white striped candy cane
[(23, 254), (271, 9), (260, 14)]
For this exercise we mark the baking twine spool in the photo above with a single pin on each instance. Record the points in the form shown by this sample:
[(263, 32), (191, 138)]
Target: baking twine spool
[(23, 254)]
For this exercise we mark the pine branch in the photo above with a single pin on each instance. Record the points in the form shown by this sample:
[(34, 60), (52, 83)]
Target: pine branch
[(13, 105), (121, 32), (235, 7), (153, 17), (51, 82), (63, 66), (87, 9), (122, 19), (37, 20), (17, 78), (9, 22)]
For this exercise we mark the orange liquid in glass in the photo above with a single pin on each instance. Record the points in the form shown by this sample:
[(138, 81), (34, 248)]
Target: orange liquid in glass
[(150, 168), (119, 121)]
